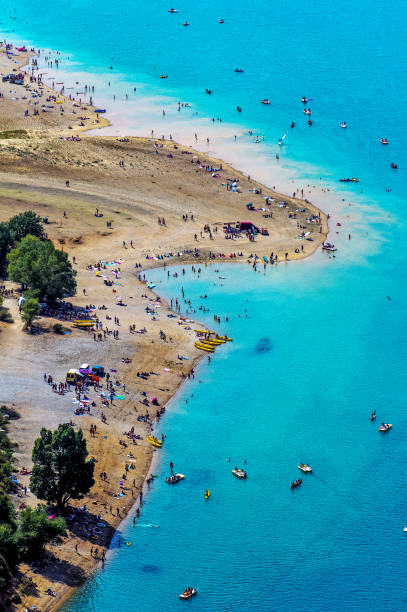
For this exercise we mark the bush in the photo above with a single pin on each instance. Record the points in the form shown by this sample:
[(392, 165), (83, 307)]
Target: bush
[(28, 586), (5, 315), (36, 530), (58, 328)]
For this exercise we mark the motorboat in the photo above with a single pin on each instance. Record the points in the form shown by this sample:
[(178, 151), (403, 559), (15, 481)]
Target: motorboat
[(172, 10), (164, 76), (327, 246), (307, 111), (394, 166), (239, 473), (154, 441), (207, 494), (349, 180), (265, 101), (385, 427), (240, 70), (344, 124), (188, 593), (221, 21), (373, 416), (304, 467), (174, 478), (186, 24), (384, 141), (296, 483)]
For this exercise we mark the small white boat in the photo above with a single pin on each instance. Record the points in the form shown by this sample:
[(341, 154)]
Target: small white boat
[(172, 11), (174, 478), (265, 101), (327, 246), (385, 427), (188, 593), (239, 473), (304, 467), (405, 529), (344, 124)]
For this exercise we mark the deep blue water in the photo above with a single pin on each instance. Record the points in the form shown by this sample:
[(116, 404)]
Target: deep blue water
[(337, 344)]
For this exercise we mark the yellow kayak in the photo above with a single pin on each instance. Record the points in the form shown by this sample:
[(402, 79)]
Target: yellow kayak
[(214, 342), (205, 347), (84, 323), (154, 441), (225, 338), (207, 494)]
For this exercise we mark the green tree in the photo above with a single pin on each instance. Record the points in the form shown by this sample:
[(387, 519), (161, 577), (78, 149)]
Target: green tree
[(7, 513), (36, 530), (31, 310), (6, 242), (25, 223), (45, 270), (61, 471)]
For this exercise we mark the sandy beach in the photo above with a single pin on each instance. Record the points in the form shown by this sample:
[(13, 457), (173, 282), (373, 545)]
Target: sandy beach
[(125, 205)]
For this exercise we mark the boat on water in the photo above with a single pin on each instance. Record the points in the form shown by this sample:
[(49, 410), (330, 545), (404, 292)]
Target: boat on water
[(164, 76), (265, 101), (349, 180), (296, 483), (221, 21), (239, 473), (207, 494), (405, 528), (174, 478), (239, 70), (154, 441), (172, 10), (344, 125), (304, 467), (384, 141), (188, 593), (186, 24), (373, 415), (385, 427), (394, 166), (327, 246), (307, 111)]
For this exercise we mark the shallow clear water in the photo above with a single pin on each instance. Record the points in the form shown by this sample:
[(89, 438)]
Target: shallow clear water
[(333, 350), (336, 342)]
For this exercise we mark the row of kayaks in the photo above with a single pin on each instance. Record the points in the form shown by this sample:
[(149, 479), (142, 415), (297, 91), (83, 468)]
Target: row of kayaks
[(154, 441), (83, 323), (207, 341)]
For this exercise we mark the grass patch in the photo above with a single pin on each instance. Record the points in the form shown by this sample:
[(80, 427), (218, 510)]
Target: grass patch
[(14, 134)]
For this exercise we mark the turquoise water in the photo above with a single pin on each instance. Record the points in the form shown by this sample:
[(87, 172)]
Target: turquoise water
[(335, 351), (336, 342)]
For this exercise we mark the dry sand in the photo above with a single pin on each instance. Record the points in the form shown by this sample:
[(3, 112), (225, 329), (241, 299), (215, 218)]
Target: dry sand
[(131, 183)]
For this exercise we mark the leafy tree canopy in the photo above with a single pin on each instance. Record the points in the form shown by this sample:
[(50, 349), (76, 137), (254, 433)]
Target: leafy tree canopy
[(45, 270), (31, 310), (37, 529), (61, 471), (25, 223)]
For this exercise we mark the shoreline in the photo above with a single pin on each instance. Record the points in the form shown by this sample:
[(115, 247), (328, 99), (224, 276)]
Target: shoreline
[(68, 591)]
